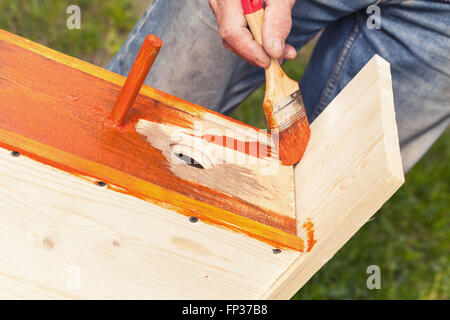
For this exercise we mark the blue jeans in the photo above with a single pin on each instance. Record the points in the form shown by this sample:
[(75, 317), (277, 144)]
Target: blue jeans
[(414, 36)]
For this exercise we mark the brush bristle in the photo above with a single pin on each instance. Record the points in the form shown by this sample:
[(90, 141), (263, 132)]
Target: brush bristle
[(293, 141)]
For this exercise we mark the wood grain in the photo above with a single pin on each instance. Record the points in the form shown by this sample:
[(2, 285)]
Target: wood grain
[(144, 190), (62, 237), (352, 166), (133, 238), (62, 103)]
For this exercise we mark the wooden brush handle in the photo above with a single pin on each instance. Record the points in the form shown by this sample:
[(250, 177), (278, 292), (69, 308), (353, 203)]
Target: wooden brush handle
[(278, 84)]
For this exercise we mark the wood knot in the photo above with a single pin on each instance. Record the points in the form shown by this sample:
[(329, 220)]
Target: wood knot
[(116, 243), (48, 243)]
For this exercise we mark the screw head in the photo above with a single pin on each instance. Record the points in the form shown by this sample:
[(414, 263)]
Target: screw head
[(101, 184), (193, 219), (276, 251), (15, 154)]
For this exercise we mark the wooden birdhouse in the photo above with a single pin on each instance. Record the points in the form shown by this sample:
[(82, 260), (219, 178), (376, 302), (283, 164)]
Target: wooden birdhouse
[(167, 199)]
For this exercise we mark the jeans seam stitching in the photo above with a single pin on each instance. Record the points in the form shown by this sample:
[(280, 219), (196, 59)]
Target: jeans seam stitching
[(332, 80)]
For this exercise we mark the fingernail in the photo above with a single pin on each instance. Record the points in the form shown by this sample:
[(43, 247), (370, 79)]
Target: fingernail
[(278, 47)]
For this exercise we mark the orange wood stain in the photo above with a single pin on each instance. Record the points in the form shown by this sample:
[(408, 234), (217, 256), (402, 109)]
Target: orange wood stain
[(63, 110), (114, 78), (292, 141), (252, 148), (41, 106), (309, 227), (150, 192)]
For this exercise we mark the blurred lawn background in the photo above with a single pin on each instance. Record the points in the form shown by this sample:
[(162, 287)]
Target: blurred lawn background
[(408, 238)]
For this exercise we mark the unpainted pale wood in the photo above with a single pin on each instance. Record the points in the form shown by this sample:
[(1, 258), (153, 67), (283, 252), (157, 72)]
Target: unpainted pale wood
[(54, 224), (63, 237), (351, 167)]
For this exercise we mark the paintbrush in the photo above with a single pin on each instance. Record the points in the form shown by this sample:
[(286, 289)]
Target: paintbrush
[(283, 103)]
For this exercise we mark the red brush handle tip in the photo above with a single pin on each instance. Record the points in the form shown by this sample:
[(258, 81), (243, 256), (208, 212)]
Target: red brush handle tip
[(251, 6)]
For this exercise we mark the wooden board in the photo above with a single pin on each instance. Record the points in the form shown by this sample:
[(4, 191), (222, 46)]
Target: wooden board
[(351, 168), (53, 108), (63, 236)]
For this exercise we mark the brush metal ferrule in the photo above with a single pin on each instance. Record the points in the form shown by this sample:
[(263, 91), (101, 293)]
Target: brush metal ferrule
[(288, 110)]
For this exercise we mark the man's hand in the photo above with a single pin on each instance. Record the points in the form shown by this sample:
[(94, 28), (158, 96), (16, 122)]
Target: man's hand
[(238, 39)]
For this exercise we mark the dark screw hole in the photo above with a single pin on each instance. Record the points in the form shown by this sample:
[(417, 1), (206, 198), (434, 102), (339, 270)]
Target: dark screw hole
[(15, 154), (101, 184), (189, 161), (193, 219), (276, 251)]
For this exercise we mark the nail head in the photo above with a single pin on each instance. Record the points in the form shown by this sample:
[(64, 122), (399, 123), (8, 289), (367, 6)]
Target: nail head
[(193, 219)]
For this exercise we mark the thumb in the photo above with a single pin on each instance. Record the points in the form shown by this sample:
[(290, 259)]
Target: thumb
[(277, 25)]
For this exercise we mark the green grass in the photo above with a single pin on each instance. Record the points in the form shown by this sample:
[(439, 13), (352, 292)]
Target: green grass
[(104, 25), (408, 238)]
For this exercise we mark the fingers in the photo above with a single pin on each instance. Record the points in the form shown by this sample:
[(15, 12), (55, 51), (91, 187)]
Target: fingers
[(289, 52), (237, 38), (277, 25), (234, 32)]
